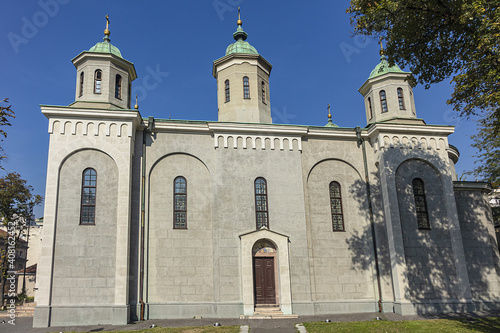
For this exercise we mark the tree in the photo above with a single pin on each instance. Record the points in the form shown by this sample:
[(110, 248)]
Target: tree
[(16, 204), (5, 114), (487, 143), (438, 39)]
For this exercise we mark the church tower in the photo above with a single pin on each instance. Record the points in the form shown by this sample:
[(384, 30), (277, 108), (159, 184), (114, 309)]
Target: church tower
[(104, 78), (243, 82), (88, 198), (388, 95)]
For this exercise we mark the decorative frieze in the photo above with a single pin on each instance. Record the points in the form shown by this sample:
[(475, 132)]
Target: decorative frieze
[(239, 141), (385, 141), (87, 128)]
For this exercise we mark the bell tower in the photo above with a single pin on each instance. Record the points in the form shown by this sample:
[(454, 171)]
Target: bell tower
[(243, 82), (103, 77), (388, 95)]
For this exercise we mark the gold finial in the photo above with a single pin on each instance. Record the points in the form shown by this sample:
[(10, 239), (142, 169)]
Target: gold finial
[(239, 17), (382, 51), (329, 114), (106, 31), (136, 105)]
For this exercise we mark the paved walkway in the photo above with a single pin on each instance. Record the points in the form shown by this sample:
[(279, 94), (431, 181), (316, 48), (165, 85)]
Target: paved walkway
[(25, 324)]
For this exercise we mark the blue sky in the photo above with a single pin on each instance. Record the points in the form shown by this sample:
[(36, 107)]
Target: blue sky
[(316, 60)]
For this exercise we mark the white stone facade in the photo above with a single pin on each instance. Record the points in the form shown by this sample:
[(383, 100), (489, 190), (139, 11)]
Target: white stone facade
[(92, 274)]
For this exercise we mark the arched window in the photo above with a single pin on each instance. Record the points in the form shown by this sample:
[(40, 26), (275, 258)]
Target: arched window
[(81, 84), (401, 99), (246, 88), (261, 207), (97, 81), (180, 203), (118, 86), (336, 207), (89, 186), (227, 90), (383, 101), (370, 108), (263, 92), (420, 204)]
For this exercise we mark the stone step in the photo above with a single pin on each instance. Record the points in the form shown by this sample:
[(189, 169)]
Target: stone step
[(267, 309), (282, 316), (25, 310), (268, 312)]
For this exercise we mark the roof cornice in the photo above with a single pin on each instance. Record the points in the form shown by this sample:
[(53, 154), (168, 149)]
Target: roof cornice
[(51, 111), (442, 130), (106, 56), (260, 59)]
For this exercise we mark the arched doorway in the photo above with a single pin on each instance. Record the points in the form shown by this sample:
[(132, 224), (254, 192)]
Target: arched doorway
[(265, 273), (280, 244)]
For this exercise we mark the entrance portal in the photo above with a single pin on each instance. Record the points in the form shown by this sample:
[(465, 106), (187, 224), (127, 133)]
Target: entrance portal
[(264, 281), (264, 273)]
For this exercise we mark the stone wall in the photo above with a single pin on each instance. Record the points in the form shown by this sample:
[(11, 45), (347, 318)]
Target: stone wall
[(481, 250)]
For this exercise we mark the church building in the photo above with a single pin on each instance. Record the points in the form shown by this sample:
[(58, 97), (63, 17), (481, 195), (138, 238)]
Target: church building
[(160, 219)]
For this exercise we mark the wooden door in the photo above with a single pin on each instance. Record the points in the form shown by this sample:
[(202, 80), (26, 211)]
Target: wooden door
[(264, 280)]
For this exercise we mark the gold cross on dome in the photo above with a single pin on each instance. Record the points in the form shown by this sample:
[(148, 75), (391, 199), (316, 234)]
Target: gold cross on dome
[(382, 51)]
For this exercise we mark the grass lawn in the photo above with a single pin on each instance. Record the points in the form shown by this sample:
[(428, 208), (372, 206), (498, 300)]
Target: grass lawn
[(204, 329), (434, 325)]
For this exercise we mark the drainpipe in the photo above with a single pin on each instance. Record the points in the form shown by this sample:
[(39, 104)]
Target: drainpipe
[(361, 142), (143, 214)]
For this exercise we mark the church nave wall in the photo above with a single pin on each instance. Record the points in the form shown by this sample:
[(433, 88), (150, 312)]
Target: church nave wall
[(85, 255), (342, 260), (180, 259)]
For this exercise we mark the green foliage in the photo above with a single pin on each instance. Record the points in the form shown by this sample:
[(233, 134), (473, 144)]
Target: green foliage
[(436, 325), (496, 215), (437, 39), (16, 198), (16, 206), (487, 143), (5, 114)]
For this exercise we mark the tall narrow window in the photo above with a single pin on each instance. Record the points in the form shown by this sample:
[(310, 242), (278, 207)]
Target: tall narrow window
[(129, 94), (383, 101), (336, 207), (370, 108), (246, 88), (118, 86), (261, 209), (89, 185), (263, 92), (81, 84), (413, 108), (420, 204), (401, 99), (227, 90), (97, 81), (180, 203)]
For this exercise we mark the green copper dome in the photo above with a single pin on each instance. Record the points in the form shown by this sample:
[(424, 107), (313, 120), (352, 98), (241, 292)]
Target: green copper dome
[(106, 47), (330, 124), (383, 68), (240, 46)]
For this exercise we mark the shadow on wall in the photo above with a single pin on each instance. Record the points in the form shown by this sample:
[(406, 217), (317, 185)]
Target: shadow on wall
[(480, 244), (428, 253)]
